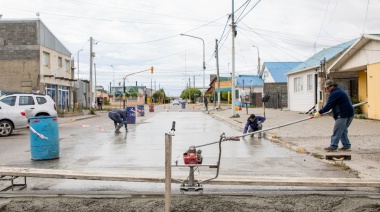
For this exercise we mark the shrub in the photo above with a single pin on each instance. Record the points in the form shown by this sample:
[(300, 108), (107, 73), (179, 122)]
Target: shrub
[(355, 100)]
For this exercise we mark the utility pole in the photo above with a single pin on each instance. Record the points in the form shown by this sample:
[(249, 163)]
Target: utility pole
[(90, 81), (194, 81), (233, 60), (113, 81), (217, 71), (78, 62), (95, 81)]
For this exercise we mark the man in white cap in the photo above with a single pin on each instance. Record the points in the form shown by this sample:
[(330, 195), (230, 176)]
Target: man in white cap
[(343, 112)]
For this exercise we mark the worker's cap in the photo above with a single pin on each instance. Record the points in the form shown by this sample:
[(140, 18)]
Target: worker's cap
[(328, 83), (252, 116)]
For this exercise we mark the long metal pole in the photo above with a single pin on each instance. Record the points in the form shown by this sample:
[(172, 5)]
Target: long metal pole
[(95, 82), (124, 94), (78, 62), (294, 122), (113, 81), (90, 81), (204, 67), (217, 71), (233, 61), (258, 60), (283, 125)]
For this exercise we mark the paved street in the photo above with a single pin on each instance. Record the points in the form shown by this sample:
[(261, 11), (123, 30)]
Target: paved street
[(91, 145)]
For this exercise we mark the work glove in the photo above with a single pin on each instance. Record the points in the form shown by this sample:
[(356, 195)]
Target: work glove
[(317, 115)]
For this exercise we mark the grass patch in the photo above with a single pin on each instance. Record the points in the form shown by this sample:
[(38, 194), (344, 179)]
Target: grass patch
[(92, 111), (341, 165), (316, 155)]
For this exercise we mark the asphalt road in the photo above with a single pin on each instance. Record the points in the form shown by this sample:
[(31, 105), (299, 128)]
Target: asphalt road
[(92, 145)]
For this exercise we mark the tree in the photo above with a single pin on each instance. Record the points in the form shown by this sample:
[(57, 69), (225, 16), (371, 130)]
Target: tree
[(159, 95), (224, 95), (133, 94), (189, 93)]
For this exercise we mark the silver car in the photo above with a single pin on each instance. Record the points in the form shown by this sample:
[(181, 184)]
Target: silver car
[(11, 118)]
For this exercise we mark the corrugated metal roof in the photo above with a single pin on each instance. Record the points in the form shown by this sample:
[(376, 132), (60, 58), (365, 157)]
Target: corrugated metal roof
[(329, 54), (278, 70), (249, 80)]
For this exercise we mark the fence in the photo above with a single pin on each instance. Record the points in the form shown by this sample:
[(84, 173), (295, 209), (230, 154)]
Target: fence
[(277, 100), (62, 109)]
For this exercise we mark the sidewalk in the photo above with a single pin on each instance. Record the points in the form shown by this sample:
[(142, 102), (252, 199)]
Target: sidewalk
[(311, 136)]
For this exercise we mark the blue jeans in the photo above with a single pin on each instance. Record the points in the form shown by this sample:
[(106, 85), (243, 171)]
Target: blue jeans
[(340, 133)]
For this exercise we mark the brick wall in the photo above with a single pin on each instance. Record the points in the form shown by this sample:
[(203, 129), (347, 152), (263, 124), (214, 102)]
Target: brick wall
[(18, 41), (19, 56)]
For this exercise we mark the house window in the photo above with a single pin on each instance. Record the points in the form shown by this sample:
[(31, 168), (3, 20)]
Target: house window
[(298, 85), (310, 83), (46, 58), (60, 61), (63, 97), (67, 65), (50, 90)]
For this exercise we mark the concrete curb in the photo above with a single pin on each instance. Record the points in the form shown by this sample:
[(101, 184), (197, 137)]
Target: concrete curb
[(68, 120)]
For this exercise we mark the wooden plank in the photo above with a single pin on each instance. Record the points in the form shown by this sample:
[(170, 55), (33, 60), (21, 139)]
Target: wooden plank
[(222, 180)]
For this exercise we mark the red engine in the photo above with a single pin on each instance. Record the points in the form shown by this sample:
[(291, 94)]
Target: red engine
[(192, 156)]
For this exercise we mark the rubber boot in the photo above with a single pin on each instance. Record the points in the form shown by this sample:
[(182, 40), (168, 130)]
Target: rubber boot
[(117, 130)]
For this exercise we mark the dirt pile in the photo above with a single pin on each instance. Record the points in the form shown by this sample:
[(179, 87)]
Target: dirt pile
[(194, 203)]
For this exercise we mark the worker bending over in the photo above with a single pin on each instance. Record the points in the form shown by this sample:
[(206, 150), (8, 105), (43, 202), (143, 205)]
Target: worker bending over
[(254, 123)]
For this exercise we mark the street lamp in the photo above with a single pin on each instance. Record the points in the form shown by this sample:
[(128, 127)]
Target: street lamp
[(124, 97), (204, 65), (113, 80), (258, 60), (78, 61)]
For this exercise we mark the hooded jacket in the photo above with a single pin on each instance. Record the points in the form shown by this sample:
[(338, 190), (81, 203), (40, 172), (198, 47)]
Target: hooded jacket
[(253, 124), (340, 104)]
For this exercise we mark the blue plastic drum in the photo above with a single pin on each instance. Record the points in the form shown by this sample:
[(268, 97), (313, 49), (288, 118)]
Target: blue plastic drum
[(44, 137), (140, 110), (131, 115)]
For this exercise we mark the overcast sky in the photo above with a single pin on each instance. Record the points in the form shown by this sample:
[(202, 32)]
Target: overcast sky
[(133, 35)]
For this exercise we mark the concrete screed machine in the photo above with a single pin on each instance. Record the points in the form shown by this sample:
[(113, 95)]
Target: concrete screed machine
[(193, 159)]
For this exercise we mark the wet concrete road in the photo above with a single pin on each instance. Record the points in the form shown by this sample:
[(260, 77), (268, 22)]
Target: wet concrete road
[(92, 145)]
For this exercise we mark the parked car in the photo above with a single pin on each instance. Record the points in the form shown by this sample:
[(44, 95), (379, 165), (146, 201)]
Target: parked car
[(34, 104), (11, 118), (175, 102)]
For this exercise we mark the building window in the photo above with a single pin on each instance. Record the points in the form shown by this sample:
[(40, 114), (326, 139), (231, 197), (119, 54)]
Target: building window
[(63, 97), (60, 61), (298, 85), (67, 65), (310, 82), (46, 58), (50, 90)]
